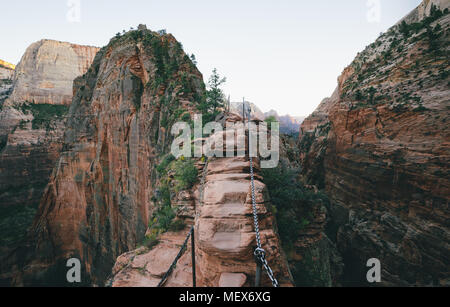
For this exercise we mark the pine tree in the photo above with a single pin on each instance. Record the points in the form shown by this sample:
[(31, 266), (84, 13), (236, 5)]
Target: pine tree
[(215, 97)]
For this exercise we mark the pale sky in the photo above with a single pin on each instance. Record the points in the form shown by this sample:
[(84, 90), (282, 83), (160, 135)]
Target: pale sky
[(280, 54)]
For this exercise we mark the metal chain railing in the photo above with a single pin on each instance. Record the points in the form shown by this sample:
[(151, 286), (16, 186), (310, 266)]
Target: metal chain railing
[(260, 253), (174, 263)]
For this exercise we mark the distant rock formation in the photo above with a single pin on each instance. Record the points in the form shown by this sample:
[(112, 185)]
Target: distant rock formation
[(46, 72), (6, 77), (238, 107), (288, 124), (6, 70), (31, 133), (379, 147)]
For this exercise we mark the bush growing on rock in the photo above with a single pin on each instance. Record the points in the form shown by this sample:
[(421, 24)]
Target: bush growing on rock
[(186, 174)]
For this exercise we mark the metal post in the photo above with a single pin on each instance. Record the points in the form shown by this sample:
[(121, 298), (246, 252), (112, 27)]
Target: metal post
[(258, 273), (194, 278), (243, 110)]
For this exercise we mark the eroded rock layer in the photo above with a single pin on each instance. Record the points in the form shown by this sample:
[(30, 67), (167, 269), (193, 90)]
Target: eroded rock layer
[(97, 203), (380, 148)]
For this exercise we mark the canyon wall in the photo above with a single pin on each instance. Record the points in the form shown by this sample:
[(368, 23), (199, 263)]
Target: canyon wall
[(98, 200), (380, 148), (32, 121)]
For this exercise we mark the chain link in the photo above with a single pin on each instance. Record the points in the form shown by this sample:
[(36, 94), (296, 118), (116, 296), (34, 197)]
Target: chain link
[(260, 253), (174, 263)]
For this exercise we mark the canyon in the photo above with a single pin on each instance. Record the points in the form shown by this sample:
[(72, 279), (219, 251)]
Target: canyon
[(86, 170)]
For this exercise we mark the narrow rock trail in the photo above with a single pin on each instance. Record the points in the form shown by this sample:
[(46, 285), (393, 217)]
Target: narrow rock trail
[(225, 235)]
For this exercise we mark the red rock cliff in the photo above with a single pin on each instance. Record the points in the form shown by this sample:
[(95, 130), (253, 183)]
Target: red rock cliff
[(97, 203), (381, 151), (31, 133)]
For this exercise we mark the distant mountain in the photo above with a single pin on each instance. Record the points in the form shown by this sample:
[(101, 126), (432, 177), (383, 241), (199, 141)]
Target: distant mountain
[(237, 107), (288, 124)]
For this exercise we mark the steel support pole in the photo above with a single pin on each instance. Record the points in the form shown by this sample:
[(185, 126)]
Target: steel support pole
[(194, 277)]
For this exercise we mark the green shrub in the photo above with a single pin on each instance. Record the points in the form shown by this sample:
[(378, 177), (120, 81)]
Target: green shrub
[(162, 167), (164, 217), (150, 240), (44, 114), (186, 174), (177, 225), (292, 202), (14, 222)]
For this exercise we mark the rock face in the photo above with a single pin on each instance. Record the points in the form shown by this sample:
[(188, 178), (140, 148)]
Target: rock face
[(6, 70), (379, 146), (236, 107), (46, 72), (6, 77), (225, 235), (424, 10), (288, 124), (31, 133), (97, 203)]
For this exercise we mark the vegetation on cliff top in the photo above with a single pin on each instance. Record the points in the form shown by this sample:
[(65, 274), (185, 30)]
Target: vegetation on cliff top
[(369, 85)]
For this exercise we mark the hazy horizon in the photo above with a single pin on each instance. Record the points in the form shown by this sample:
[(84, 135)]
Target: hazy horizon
[(281, 55)]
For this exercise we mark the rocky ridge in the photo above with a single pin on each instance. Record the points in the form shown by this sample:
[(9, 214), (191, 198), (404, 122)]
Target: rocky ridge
[(221, 209)]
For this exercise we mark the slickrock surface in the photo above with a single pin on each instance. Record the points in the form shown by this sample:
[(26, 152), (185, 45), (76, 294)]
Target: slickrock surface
[(46, 72), (225, 235), (97, 203), (380, 148)]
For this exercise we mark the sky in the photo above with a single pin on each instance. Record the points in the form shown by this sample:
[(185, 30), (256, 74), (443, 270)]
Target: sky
[(284, 55)]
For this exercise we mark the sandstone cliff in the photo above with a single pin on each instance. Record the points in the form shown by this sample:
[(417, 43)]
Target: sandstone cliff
[(6, 70), (379, 146), (46, 72), (98, 201), (31, 133), (220, 207), (6, 76)]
